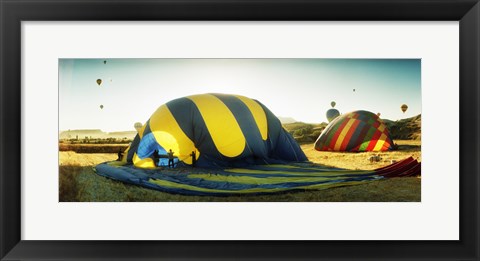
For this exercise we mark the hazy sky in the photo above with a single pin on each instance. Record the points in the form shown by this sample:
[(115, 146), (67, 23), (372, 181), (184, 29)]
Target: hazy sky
[(132, 89)]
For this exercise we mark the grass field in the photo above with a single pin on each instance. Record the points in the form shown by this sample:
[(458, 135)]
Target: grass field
[(78, 181)]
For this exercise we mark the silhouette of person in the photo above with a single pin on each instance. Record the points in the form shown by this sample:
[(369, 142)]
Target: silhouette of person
[(170, 158), (156, 157), (194, 159), (120, 155)]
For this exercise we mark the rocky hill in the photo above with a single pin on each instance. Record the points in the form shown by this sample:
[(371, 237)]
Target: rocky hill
[(305, 132), (406, 129)]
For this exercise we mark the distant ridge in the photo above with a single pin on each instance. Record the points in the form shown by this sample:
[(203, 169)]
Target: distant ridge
[(404, 129), (96, 134), (286, 120)]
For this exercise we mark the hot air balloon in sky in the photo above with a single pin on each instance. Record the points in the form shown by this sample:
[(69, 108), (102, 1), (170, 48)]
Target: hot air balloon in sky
[(99, 81), (138, 126), (101, 107), (404, 108), (333, 103), (332, 114)]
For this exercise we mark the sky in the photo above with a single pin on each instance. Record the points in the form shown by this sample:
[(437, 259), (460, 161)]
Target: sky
[(303, 89)]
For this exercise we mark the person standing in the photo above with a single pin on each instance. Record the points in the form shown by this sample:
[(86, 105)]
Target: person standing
[(194, 158), (170, 158), (120, 155), (156, 158)]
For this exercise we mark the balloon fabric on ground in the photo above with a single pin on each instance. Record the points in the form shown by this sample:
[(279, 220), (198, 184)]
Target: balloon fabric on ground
[(255, 179)]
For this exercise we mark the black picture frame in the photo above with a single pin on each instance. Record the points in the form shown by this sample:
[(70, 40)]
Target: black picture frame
[(13, 12)]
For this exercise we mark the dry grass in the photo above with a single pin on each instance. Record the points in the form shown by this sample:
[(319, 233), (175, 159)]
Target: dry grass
[(353, 160), (68, 184), (70, 158), (78, 181)]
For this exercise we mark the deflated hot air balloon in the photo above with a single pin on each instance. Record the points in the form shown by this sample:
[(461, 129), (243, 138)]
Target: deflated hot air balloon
[(99, 81), (332, 114), (355, 131), (224, 130), (404, 108)]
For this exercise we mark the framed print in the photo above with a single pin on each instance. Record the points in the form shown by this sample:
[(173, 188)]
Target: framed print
[(246, 130)]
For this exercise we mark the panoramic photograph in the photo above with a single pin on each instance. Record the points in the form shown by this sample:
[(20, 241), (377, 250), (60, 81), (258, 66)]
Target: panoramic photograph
[(239, 130)]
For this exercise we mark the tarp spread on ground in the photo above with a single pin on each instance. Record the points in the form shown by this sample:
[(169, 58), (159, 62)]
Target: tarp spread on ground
[(355, 131), (222, 130), (255, 179)]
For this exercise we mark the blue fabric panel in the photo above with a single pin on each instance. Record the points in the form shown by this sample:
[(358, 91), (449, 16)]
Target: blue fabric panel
[(148, 145), (358, 135), (136, 142), (133, 148), (282, 145), (147, 129)]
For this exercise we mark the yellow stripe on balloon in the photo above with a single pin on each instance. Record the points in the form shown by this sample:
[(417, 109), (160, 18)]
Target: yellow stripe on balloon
[(146, 163), (262, 180), (140, 132), (169, 135), (381, 127), (300, 173), (342, 135), (170, 184), (380, 142), (258, 114), (221, 124)]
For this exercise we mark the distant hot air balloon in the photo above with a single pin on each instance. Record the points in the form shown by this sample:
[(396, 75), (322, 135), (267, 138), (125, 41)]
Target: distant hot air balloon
[(99, 81), (404, 108), (332, 114), (105, 62), (138, 126), (353, 90), (101, 107), (333, 103), (378, 114)]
